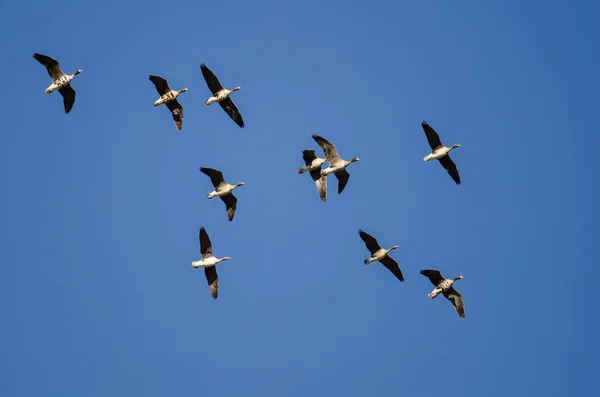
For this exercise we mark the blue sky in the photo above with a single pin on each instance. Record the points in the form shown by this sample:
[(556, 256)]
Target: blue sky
[(101, 207)]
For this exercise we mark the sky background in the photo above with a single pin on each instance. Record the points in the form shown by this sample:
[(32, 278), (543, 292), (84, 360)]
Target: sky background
[(101, 207)]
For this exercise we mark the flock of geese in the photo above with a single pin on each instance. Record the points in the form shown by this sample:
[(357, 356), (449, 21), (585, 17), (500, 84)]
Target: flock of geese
[(61, 82)]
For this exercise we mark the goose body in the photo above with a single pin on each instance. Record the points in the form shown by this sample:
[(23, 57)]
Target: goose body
[(223, 190), (379, 254), (337, 165), (440, 152), (168, 97), (221, 95), (208, 262), (445, 286), (60, 80), (313, 166)]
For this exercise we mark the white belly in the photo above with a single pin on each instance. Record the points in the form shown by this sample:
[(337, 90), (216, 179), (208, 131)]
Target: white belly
[(208, 262), (214, 193)]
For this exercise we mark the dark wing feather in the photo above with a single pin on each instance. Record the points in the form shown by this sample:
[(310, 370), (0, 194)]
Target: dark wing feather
[(161, 85), (51, 64), (205, 244), (231, 204), (432, 137), (177, 112), (449, 166), (68, 94), (433, 275), (211, 80), (370, 241), (213, 280), (343, 176), (232, 110), (308, 156), (216, 176), (328, 148), (456, 298), (393, 267)]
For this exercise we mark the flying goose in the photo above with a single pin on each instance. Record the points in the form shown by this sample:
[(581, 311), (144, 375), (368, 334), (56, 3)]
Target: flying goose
[(337, 166), (221, 95), (60, 80), (440, 152), (169, 98), (380, 254), (444, 286), (313, 165), (208, 262), (223, 190)]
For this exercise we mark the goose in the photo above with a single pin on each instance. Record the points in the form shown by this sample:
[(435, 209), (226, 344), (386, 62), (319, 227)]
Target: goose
[(380, 254), (337, 166), (169, 98), (440, 152), (208, 262), (60, 80), (221, 95), (444, 286), (313, 165), (223, 190)]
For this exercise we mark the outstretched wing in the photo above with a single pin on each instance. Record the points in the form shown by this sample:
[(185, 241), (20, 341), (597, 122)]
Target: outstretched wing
[(433, 275), (68, 94), (232, 110), (231, 204), (51, 64), (213, 280), (432, 137), (393, 267), (450, 167), (343, 176), (216, 176), (370, 241), (211, 80), (161, 85), (205, 244), (328, 149), (177, 112), (456, 298), (308, 156)]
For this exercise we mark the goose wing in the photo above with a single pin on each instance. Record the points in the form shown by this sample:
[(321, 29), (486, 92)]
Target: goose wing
[(370, 241), (216, 176), (433, 275), (308, 156), (213, 280), (231, 204), (51, 64), (392, 266), (456, 298), (161, 85), (177, 112), (232, 110), (68, 94), (432, 137), (450, 167), (211, 80), (320, 182), (343, 176), (205, 244), (328, 148)]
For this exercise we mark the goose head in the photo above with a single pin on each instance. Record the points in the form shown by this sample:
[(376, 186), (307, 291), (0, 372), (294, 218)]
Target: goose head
[(354, 159), (225, 258), (394, 247), (77, 72), (236, 88), (454, 146), (458, 278), (240, 184), (183, 90)]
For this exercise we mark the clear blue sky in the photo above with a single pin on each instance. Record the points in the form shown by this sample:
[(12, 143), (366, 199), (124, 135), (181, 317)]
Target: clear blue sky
[(101, 208)]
